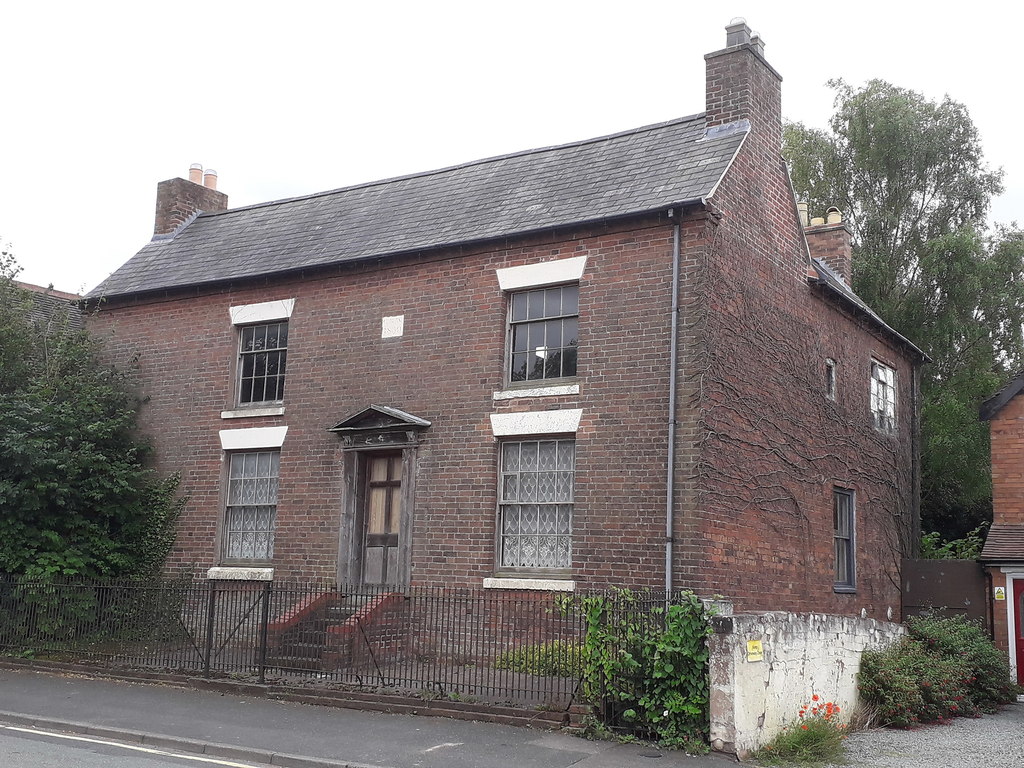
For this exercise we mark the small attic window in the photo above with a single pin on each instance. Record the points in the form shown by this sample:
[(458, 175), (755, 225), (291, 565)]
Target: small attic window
[(830, 378)]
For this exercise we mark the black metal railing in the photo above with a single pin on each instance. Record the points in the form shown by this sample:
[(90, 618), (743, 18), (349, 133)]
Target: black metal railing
[(517, 647)]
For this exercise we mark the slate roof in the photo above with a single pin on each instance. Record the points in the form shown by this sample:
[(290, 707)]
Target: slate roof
[(51, 306), (648, 168), (831, 281), (991, 407), (1004, 543)]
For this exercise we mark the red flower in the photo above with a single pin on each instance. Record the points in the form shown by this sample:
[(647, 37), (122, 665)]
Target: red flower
[(814, 697)]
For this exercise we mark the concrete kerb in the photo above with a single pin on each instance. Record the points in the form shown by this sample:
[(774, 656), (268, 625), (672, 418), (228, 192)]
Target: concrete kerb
[(175, 743)]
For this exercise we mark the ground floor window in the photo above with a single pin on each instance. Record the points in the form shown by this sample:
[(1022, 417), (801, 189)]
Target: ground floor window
[(843, 525), (536, 503), (252, 505)]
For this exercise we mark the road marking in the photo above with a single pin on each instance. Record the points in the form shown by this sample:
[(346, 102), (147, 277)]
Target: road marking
[(137, 748), (446, 744)]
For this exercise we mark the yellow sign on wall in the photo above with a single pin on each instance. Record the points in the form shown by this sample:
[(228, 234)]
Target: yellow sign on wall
[(1000, 593), (755, 650)]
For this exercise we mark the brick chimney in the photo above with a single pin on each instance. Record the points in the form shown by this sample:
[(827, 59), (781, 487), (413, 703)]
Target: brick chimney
[(742, 85), (177, 200), (830, 240)]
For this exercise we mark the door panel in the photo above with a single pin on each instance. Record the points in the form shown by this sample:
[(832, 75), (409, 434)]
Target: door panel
[(382, 518)]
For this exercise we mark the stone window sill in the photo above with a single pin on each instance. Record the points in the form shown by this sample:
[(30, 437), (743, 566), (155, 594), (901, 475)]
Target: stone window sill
[(246, 413), (548, 391), (542, 585), (240, 573)]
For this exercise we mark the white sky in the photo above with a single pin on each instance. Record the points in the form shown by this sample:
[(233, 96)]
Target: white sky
[(102, 100)]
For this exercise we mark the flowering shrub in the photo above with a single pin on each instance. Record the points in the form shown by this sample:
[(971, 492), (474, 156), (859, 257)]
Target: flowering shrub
[(945, 668), (816, 737)]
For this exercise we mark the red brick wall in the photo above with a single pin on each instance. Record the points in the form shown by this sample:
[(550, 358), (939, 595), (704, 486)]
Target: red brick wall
[(445, 369), (772, 445), (1007, 431)]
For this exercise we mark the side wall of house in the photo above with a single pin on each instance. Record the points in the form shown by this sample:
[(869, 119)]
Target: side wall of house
[(445, 368), (1007, 437), (774, 446)]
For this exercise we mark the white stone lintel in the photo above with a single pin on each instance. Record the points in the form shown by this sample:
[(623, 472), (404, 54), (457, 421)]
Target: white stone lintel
[(560, 389), (558, 422), (544, 585), (543, 273), (255, 437), (264, 312), (223, 573)]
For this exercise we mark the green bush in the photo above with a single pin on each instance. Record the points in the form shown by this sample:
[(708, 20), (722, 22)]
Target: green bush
[(558, 658), (946, 667)]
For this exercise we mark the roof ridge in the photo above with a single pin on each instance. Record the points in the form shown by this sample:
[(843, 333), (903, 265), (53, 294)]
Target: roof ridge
[(457, 166)]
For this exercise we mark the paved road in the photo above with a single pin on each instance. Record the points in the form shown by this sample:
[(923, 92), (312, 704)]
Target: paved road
[(28, 748)]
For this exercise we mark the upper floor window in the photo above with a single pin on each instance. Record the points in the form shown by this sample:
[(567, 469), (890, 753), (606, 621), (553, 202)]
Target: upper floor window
[(883, 396), (543, 333), (263, 351), (830, 379)]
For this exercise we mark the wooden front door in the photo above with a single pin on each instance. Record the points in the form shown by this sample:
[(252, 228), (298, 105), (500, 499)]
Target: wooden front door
[(382, 517), (1018, 631)]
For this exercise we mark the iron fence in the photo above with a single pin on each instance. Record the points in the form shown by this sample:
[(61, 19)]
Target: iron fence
[(521, 648)]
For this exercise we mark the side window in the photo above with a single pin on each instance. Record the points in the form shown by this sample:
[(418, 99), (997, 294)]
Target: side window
[(843, 521), (251, 506), (830, 379), (536, 504), (883, 396), (262, 356), (543, 333)]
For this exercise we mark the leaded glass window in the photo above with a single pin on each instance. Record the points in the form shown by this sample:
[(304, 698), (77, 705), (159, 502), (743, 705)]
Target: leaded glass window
[(536, 502), (544, 333), (843, 537), (263, 352), (252, 505), (883, 396)]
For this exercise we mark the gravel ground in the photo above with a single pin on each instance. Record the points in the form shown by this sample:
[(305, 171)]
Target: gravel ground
[(992, 741)]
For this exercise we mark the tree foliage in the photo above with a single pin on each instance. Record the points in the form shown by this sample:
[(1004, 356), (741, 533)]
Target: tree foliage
[(910, 176), (75, 496)]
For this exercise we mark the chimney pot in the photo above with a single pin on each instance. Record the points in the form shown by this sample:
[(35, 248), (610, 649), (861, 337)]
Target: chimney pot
[(802, 210), (737, 33), (833, 215), (195, 173), (817, 221), (210, 178), (757, 42)]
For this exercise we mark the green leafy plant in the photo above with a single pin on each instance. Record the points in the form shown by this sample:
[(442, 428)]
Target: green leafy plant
[(557, 658), (946, 667), (646, 666), (816, 738), (966, 548)]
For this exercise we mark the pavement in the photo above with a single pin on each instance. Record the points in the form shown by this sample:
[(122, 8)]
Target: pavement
[(269, 732)]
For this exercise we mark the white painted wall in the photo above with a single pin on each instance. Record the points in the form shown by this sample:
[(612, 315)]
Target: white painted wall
[(804, 654)]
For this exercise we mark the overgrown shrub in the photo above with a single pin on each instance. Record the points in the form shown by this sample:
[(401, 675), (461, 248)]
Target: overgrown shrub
[(647, 666), (947, 667), (558, 658)]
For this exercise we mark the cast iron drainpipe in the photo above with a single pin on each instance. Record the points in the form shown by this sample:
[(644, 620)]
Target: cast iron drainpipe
[(674, 215)]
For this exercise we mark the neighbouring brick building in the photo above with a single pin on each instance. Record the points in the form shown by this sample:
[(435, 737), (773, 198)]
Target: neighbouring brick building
[(1003, 553), (474, 376)]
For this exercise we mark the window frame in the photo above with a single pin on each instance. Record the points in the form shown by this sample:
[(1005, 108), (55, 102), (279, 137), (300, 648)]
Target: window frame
[(499, 559), (510, 326), (844, 582), (241, 355), (225, 539), (883, 409), (830, 379)]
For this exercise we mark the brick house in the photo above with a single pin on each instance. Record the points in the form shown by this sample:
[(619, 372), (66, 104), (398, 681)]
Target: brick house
[(622, 361), (1003, 553)]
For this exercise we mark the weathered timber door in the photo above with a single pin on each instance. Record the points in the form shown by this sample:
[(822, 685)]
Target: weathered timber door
[(1018, 620), (382, 517)]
